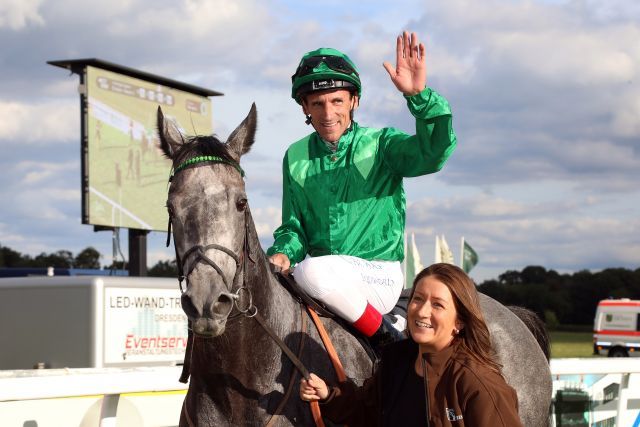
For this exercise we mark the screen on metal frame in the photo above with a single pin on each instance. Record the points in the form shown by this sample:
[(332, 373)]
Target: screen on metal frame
[(127, 173)]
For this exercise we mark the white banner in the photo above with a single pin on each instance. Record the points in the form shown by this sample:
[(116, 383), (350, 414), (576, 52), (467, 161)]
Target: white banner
[(143, 325)]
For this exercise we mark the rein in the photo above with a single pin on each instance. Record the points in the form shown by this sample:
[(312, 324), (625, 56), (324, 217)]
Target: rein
[(249, 310)]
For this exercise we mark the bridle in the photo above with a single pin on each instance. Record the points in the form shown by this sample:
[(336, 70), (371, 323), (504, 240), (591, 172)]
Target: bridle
[(248, 310), (200, 255), (201, 250)]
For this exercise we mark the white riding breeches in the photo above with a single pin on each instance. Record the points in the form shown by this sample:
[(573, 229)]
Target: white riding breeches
[(346, 283)]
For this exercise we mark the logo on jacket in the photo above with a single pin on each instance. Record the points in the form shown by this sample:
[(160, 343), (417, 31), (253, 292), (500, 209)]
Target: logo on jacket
[(451, 415)]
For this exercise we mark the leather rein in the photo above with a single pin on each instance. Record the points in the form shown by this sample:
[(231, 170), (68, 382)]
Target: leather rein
[(198, 253)]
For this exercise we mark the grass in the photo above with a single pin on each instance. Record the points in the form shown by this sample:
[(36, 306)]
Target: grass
[(571, 344)]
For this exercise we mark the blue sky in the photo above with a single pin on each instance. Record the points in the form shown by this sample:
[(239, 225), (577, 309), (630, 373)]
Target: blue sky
[(545, 95)]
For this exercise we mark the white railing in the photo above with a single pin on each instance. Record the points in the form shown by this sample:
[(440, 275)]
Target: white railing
[(30, 395), (54, 383), (111, 383)]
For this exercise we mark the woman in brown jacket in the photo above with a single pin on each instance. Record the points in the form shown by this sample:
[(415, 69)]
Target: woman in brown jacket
[(450, 343)]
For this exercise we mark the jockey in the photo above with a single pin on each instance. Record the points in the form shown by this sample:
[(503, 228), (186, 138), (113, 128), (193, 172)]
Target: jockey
[(343, 202)]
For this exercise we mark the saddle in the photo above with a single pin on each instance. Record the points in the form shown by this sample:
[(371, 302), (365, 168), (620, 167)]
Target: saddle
[(300, 295)]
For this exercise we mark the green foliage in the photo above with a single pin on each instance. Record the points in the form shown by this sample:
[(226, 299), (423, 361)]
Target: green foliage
[(10, 258), (562, 299), (164, 269), (88, 258), (551, 320), (60, 259), (117, 265), (568, 298)]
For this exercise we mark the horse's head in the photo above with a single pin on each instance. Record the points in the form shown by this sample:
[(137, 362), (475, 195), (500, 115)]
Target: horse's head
[(207, 207)]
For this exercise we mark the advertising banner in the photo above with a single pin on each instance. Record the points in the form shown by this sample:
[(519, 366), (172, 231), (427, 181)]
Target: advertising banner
[(143, 325)]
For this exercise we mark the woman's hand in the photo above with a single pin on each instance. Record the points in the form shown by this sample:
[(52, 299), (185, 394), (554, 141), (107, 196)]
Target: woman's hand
[(313, 389)]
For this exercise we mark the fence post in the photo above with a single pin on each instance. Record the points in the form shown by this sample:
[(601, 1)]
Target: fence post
[(109, 410)]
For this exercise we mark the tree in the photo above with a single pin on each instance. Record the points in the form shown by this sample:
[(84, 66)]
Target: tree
[(510, 277), (88, 258), (534, 274), (59, 259), (117, 265), (10, 258), (164, 269)]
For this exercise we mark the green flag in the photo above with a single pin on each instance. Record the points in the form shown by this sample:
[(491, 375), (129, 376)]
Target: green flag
[(469, 257)]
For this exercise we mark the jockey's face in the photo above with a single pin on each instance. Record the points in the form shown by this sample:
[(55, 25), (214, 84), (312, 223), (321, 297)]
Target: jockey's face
[(330, 112), (432, 318)]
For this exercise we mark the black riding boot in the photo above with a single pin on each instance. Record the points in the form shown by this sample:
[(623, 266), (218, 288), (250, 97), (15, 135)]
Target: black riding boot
[(386, 334)]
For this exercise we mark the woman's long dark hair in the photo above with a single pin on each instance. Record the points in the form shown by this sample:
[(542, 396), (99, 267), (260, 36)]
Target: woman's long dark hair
[(474, 338)]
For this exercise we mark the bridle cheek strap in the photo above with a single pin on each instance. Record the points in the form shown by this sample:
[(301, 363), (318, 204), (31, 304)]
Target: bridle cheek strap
[(245, 254)]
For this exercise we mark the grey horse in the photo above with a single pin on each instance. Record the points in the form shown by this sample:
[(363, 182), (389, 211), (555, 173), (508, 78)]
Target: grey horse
[(239, 375)]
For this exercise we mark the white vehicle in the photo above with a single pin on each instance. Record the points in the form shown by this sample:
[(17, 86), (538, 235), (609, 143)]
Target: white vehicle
[(616, 328)]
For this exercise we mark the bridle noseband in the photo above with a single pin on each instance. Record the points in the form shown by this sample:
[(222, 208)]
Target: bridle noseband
[(200, 255)]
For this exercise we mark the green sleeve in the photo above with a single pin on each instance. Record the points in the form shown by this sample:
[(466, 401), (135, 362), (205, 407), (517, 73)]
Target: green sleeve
[(289, 238), (428, 150)]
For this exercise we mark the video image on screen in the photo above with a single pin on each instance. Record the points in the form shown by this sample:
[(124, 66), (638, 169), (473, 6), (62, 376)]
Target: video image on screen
[(127, 173)]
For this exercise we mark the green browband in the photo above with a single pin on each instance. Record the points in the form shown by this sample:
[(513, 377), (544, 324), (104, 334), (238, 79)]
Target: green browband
[(203, 159)]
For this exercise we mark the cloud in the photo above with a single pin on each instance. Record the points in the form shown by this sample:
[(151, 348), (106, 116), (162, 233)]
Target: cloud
[(513, 234), (34, 174), (17, 14), (545, 98), (47, 121), (193, 20), (539, 91), (266, 220), (8, 237)]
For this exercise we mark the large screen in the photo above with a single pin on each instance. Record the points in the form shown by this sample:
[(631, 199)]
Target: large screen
[(127, 174)]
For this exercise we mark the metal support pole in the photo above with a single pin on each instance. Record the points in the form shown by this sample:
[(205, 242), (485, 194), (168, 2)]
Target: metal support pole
[(137, 252)]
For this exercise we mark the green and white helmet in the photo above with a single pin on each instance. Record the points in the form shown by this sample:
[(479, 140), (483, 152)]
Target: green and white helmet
[(323, 69)]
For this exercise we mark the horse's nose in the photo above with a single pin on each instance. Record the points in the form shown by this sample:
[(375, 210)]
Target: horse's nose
[(222, 306), (188, 307)]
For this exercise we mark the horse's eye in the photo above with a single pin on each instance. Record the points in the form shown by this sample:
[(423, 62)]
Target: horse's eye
[(241, 204)]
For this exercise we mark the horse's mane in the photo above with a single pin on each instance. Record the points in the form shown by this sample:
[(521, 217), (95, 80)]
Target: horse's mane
[(202, 145)]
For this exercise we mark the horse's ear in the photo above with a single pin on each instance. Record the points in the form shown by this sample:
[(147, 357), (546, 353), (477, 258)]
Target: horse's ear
[(241, 139), (170, 137)]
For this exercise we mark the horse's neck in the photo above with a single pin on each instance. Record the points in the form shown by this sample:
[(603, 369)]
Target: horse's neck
[(268, 293), (269, 296)]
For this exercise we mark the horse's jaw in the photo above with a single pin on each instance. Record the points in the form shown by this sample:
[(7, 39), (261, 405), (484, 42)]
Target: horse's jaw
[(207, 327)]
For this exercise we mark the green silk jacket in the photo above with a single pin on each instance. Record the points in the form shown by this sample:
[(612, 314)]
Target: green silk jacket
[(352, 202)]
